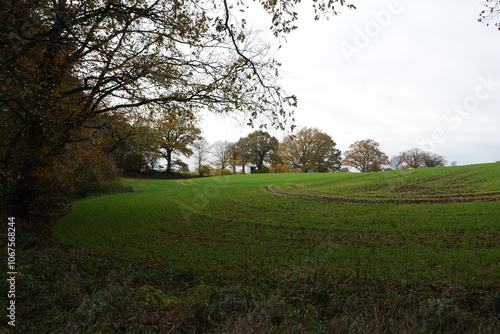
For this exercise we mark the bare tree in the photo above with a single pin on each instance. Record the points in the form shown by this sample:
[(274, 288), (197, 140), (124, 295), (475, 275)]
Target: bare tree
[(417, 158), (201, 150), (223, 152), (413, 158), (396, 162)]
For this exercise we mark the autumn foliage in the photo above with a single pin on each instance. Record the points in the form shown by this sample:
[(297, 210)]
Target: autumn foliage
[(365, 156)]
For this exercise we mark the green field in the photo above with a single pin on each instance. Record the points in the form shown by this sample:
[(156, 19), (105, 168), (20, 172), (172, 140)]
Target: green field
[(411, 251), (422, 227)]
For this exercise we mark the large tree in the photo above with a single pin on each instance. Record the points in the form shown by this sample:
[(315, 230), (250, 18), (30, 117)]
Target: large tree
[(257, 148), (417, 158), (365, 156), (63, 62), (310, 150), (178, 130), (413, 158)]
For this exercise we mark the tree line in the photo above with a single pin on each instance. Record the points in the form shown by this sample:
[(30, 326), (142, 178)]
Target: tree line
[(173, 135), (311, 150)]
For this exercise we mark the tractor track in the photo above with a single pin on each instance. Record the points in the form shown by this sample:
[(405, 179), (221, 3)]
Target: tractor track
[(454, 198)]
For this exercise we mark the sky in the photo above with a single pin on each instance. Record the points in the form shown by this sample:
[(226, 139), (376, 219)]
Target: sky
[(405, 73)]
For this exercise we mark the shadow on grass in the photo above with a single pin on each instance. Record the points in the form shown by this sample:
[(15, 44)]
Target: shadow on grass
[(69, 290)]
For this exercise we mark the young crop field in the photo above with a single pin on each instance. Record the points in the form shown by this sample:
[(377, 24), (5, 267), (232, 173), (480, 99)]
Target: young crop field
[(410, 251), (429, 227)]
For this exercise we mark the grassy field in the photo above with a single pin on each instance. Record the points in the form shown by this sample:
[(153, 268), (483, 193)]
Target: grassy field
[(412, 251), (424, 226)]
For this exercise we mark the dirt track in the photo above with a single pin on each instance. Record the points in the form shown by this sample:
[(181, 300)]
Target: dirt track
[(452, 198)]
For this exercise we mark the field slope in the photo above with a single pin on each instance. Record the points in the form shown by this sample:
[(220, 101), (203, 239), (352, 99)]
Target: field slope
[(434, 226)]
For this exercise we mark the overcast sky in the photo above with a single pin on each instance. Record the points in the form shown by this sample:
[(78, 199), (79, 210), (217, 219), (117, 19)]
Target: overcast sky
[(405, 73)]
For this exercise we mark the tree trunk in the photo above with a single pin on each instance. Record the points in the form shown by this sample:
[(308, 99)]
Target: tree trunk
[(169, 161)]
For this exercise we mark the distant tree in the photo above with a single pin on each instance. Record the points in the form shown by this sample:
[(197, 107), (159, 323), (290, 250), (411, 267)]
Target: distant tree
[(277, 163), (257, 148), (180, 165), (454, 163), (201, 149), (365, 156), (135, 146), (152, 162), (222, 151), (244, 152), (205, 170), (396, 162), (178, 130), (434, 160), (310, 150), (234, 159), (417, 158), (413, 158)]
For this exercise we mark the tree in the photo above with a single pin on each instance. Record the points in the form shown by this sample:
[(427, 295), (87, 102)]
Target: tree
[(396, 162), (177, 130), (234, 160), (434, 160), (365, 156), (244, 152), (413, 158), (310, 150), (180, 165), (257, 148), (135, 147), (64, 62), (223, 151), (201, 150), (417, 158)]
